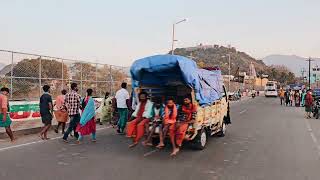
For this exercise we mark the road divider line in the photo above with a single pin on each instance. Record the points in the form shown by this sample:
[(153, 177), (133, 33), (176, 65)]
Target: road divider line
[(313, 137), (151, 152), (40, 141), (243, 111)]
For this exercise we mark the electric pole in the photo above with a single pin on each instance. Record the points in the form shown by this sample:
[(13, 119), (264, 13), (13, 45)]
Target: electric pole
[(302, 74), (309, 72)]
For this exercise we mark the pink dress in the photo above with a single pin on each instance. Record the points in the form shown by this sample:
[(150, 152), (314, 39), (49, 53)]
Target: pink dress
[(89, 127), (60, 114)]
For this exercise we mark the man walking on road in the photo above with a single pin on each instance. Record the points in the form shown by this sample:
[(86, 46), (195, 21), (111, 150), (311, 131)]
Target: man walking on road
[(122, 97), (5, 120), (281, 94), (46, 109), (72, 103)]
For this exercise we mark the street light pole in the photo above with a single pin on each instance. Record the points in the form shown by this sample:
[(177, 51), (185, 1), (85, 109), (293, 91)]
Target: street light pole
[(229, 71), (173, 39), (309, 72), (173, 34)]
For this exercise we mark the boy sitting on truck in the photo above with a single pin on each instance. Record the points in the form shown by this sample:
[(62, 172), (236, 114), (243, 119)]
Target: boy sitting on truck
[(140, 118), (170, 116), (187, 116), (157, 116)]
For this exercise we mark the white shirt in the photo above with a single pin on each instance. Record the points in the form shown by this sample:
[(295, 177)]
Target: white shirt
[(122, 95)]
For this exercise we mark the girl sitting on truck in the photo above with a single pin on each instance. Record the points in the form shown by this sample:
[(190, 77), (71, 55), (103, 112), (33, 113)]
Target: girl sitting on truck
[(157, 116), (170, 116)]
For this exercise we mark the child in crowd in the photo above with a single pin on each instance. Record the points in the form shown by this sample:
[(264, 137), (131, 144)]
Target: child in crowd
[(157, 116)]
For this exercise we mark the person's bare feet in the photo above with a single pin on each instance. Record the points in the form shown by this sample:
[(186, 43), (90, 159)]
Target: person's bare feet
[(133, 145), (78, 142), (147, 143), (41, 136), (14, 140), (160, 146), (175, 152)]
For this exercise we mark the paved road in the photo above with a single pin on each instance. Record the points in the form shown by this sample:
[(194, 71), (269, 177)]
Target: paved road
[(265, 141)]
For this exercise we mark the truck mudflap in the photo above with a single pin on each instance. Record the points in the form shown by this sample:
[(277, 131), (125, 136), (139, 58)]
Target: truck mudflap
[(227, 119)]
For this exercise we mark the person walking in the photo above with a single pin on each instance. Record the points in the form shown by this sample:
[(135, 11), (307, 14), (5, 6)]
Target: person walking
[(60, 112), (282, 96), (303, 96), (291, 97), (72, 103), (46, 109), (297, 99), (106, 112), (5, 120), (308, 104), (87, 123), (123, 105)]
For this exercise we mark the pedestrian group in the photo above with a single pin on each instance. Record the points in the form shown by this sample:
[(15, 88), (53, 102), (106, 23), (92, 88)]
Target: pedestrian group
[(136, 120)]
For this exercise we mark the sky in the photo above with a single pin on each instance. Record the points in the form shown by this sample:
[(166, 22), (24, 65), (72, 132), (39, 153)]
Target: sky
[(121, 31)]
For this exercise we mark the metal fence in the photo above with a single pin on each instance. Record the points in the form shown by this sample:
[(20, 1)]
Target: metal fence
[(26, 73)]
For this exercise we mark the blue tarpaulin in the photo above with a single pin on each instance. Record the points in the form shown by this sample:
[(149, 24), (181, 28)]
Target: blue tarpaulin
[(165, 70)]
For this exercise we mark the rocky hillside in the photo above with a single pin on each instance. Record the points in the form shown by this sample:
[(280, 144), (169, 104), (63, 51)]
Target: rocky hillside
[(216, 55)]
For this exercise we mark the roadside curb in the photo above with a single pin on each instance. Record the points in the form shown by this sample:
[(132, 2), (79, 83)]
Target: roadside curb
[(23, 132)]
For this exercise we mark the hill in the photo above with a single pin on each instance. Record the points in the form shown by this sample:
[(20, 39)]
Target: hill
[(293, 62), (217, 56)]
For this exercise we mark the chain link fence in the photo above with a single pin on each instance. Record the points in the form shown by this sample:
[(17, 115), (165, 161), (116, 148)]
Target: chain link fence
[(26, 73)]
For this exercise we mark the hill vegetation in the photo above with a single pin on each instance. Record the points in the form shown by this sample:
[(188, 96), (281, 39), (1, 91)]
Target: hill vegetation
[(211, 56)]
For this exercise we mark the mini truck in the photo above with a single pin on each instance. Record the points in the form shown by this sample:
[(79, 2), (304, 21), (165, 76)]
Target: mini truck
[(176, 76)]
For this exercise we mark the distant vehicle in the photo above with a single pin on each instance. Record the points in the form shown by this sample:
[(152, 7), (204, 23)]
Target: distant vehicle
[(271, 89)]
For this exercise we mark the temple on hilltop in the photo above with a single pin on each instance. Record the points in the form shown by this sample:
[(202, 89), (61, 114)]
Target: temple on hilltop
[(252, 71)]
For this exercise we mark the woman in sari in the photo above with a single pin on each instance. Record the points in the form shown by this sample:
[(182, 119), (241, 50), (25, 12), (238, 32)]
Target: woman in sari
[(297, 98), (87, 123), (106, 114), (308, 104), (60, 112)]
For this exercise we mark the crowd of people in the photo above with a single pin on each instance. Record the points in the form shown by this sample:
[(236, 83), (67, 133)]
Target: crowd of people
[(68, 107), (164, 114), (135, 121), (298, 98), (291, 97)]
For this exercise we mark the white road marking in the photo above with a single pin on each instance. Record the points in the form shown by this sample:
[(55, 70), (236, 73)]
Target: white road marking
[(151, 152), (40, 141), (313, 137), (243, 111)]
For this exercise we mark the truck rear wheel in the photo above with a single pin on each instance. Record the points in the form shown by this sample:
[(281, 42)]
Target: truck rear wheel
[(200, 141), (223, 130)]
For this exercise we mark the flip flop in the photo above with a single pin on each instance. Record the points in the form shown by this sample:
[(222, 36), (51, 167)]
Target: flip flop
[(133, 145), (41, 137), (160, 147)]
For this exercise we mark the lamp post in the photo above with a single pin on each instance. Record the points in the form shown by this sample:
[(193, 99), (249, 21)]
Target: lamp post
[(229, 70), (173, 34), (309, 60)]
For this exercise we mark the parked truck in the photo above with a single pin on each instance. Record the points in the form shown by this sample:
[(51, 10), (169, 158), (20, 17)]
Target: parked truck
[(176, 76)]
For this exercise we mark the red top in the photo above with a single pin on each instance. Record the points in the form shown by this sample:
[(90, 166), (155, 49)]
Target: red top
[(141, 109), (309, 99)]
